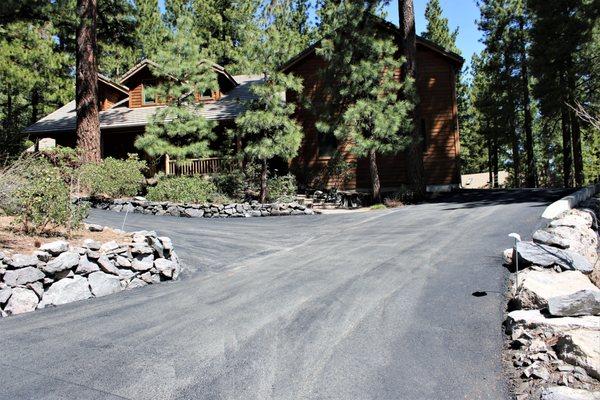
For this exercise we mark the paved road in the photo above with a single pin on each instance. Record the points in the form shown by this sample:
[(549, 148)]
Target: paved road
[(373, 305)]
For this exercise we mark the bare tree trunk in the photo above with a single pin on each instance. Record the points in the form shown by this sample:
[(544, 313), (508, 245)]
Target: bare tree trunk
[(263, 182), (35, 102), (495, 167), (490, 163), (375, 184), (408, 48), (566, 139), (531, 178), (86, 82), (575, 135)]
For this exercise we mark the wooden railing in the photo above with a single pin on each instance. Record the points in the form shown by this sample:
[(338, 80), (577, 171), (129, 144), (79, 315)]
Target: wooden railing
[(197, 166)]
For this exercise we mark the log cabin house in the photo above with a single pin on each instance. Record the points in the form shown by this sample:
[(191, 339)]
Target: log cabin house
[(125, 109)]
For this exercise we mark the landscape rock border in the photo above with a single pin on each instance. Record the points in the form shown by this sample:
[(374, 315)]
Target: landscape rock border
[(571, 201), (60, 273), (233, 210)]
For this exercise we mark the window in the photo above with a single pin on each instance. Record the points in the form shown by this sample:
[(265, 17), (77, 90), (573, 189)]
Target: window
[(425, 141), (148, 98), (327, 144)]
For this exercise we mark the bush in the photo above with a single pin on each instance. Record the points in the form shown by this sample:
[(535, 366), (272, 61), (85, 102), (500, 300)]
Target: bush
[(231, 184), (41, 200), (405, 195), (282, 188), (183, 189), (113, 178)]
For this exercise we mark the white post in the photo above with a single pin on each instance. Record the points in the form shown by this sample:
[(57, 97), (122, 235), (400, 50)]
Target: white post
[(167, 169)]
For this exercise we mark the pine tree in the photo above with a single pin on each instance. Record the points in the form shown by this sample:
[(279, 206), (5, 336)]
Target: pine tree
[(408, 47), (437, 29), (86, 88), (368, 106), (183, 71), (267, 128), (150, 31)]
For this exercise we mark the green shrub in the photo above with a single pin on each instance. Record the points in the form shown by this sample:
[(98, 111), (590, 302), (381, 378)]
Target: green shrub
[(42, 203), (282, 188), (231, 184), (113, 178), (405, 195), (183, 189)]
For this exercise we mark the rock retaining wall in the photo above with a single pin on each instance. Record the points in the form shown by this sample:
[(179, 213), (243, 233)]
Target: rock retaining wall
[(234, 210), (554, 321), (59, 273)]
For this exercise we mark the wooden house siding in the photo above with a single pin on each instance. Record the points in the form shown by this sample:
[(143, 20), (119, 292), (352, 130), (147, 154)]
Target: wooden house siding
[(435, 86)]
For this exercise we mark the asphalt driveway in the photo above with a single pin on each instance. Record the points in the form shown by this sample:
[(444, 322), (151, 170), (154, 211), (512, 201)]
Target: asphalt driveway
[(374, 305)]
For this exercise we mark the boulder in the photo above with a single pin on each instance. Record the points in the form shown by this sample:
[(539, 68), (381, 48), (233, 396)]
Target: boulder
[(23, 276), (583, 302), (534, 318), (165, 267), (567, 393), (548, 256), (109, 246), (581, 347), (56, 247), (107, 265), (573, 220), (123, 262), (507, 256), (91, 244), (21, 301), (193, 213), (136, 283), (143, 262), (42, 255), (545, 237), (126, 273), (66, 260), (141, 248), (5, 295), (66, 291), (37, 287), (85, 266), (67, 273), (581, 240), (22, 261), (95, 228), (103, 284), (537, 287)]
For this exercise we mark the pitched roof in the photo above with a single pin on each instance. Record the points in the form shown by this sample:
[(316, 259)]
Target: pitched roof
[(453, 57), (109, 82), (228, 107)]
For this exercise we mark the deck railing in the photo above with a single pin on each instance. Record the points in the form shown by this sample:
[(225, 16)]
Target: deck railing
[(197, 166)]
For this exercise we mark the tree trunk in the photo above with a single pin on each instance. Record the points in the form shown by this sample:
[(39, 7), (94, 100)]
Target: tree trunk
[(263, 182), (495, 162), (575, 135), (512, 116), (490, 163), (86, 83), (35, 102), (531, 178), (375, 184), (408, 48), (566, 139)]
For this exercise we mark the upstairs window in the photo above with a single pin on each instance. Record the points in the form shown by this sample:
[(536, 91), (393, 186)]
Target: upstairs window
[(328, 144), (148, 98)]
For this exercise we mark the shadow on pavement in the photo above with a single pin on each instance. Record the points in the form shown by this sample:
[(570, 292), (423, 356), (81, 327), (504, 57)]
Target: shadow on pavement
[(471, 198)]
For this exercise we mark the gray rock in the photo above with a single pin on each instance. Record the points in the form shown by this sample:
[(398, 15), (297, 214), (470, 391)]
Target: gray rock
[(545, 237), (146, 277), (166, 242), (22, 261), (139, 248), (107, 266), (93, 255), (156, 244), (127, 273), (109, 246), (103, 284), (583, 302), (92, 244), (537, 370), (193, 213), (123, 262), (66, 260), (85, 266), (534, 319), (66, 291), (136, 283), (21, 301), (42, 255), (537, 287), (165, 267), (581, 347), (143, 262), (95, 228), (5, 295), (37, 287), (23, 276), (573, 221), (56, 247), (567, 393), (547, 256)]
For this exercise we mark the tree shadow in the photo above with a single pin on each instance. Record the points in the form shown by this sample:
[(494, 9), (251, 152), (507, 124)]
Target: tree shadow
[(473, 198)]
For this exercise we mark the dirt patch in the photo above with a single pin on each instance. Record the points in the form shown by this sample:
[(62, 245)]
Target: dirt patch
[(13, 241)]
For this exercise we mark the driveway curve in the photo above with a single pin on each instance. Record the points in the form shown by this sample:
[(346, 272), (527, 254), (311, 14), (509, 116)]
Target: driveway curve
[(375, 305)]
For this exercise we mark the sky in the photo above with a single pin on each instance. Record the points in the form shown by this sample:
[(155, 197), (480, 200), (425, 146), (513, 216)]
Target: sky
[(460, 13)]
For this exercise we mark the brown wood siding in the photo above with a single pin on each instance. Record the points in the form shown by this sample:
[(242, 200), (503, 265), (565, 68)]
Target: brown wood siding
[(108, 96), (435, 86)]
